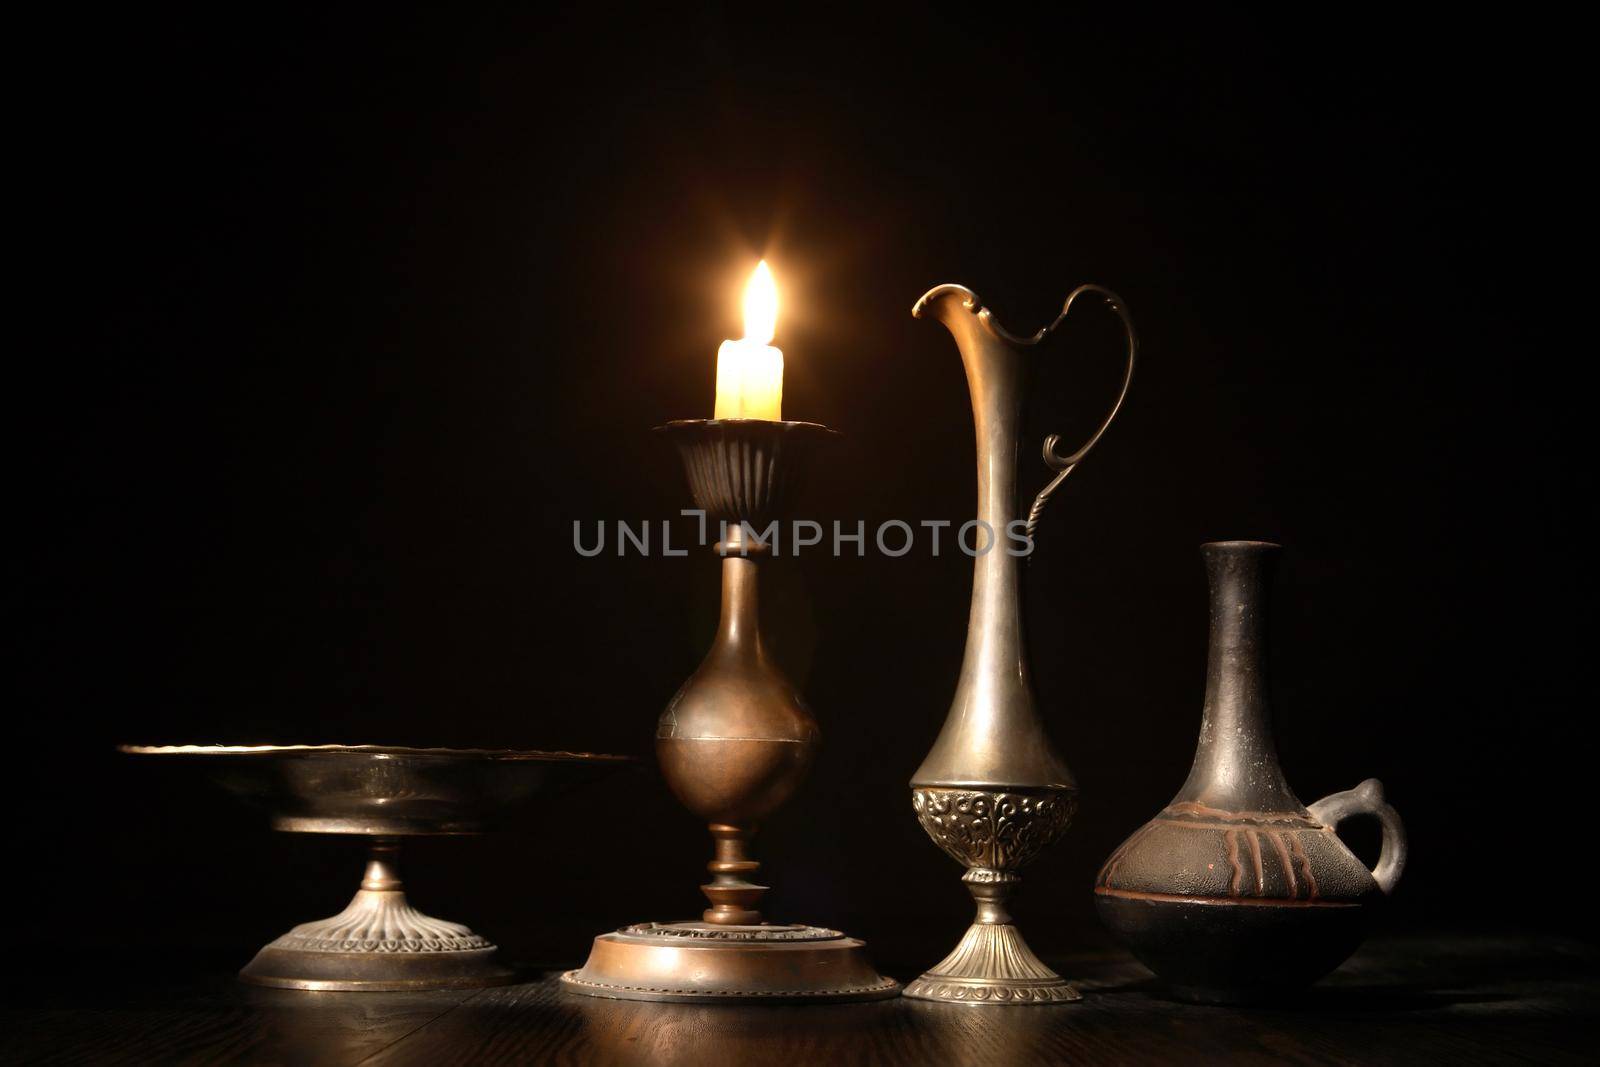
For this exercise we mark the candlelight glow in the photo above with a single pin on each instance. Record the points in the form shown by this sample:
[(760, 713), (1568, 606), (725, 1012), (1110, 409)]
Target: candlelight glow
[(761, 306)]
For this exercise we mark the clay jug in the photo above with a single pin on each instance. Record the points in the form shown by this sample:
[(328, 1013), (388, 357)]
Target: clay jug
[(1236, 891)]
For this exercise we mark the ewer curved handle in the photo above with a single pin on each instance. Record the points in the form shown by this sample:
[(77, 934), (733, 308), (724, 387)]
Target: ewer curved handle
[(1065, 464), (1367, 799)]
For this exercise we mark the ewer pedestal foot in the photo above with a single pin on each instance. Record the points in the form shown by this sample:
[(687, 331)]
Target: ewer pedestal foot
[(992, 833), (992, 964), (378, 943)]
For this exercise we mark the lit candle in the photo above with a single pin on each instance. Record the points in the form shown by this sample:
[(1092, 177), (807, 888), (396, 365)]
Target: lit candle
[(750, 371)]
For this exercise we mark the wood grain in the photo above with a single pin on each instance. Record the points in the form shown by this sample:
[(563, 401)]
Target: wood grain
[(1411, 1000), (214, 1020)]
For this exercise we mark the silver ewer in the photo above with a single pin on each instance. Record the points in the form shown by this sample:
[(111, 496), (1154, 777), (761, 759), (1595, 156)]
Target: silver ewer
[(993, 792)]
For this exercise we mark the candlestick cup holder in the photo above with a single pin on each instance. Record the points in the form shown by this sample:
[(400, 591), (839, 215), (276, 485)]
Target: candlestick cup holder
[(733, 745)]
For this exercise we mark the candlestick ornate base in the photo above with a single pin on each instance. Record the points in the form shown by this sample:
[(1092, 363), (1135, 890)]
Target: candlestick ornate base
[(993, 792), (706, 963), (733, 744)]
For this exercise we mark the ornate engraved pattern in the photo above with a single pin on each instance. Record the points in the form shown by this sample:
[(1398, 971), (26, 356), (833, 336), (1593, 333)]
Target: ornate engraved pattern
[(967, 992), (998, 831), (731, 933), (381, 922), (575, 980)]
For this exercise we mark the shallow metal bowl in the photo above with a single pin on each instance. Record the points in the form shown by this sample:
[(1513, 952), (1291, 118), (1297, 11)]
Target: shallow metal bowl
[(391, 789)]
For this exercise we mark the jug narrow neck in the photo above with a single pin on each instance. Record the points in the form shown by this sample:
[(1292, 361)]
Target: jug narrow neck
[(993, 736), (1236, 765), (996, 379)]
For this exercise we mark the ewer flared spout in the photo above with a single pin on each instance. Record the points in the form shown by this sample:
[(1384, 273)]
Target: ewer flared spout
[(994, 791)]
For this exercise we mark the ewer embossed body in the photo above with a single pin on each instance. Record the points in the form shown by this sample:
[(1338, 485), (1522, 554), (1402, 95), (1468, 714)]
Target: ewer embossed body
[(1236, 891), (993, 792)]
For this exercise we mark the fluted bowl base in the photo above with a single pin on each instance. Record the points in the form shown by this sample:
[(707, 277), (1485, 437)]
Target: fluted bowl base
[(376, 972), (378, 943)]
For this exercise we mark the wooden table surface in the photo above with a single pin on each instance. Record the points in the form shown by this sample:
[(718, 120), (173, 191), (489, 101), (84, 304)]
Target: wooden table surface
[(1400, 1000)]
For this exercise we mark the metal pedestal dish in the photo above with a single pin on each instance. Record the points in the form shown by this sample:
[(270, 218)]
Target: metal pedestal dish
[(380, 942)]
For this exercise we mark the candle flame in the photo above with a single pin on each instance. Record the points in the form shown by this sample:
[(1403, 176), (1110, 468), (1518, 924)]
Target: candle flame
[(761, 306)]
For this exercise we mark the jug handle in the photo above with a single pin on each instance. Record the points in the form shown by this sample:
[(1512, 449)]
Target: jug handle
[(1367, 799), (1053, 458)]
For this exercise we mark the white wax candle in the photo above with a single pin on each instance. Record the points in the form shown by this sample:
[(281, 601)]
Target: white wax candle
[(750, 371)]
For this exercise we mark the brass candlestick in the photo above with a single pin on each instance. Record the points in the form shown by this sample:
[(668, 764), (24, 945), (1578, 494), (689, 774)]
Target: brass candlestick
[(993, 792), (733, 744)]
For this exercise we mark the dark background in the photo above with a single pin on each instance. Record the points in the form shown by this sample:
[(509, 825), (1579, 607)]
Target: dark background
[(350, 316)]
